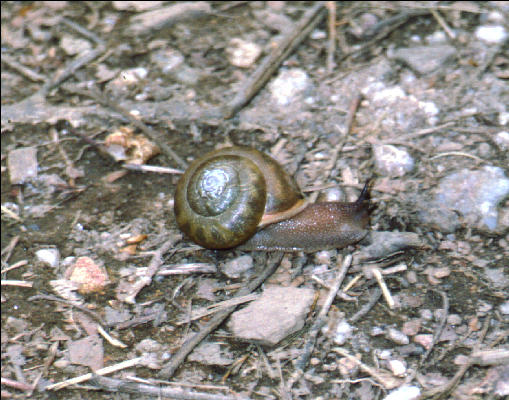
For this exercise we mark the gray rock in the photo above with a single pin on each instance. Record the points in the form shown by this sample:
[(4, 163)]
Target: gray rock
[(22, 164), (383, 244), (475, 194), (392, 161), (279, 312), (425, 59), (442, 219), (289, 85), (210, 354), (237, 267), (397, 336)]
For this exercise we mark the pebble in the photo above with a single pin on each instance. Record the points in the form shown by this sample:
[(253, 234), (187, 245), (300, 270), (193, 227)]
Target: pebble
[(73, 45), (475, 194), (343, 332), (290, 83), (279, 312), (424, 340), (504, 307), (412, 327), (397, 368), (392, 161), (88, 275), (426, 314), (502, 140), (454, 319), (208, 353), (22, 164), (172, 64), (136, 5), (380, 244), (491, 33), (241, 53), (323, 257), (50, 256), (425, 59), (397, 336), (237, 267), (404, 393)]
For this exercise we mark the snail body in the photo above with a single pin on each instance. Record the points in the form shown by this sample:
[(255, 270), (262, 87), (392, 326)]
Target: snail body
[(240, 196)]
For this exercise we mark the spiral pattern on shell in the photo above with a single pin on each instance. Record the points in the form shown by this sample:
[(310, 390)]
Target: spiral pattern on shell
[(222, 197)]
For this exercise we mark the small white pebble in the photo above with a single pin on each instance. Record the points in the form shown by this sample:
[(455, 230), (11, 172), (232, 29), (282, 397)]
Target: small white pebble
[(397, 368), (504, 308), (404, 393), (491, 33), (48, 256)]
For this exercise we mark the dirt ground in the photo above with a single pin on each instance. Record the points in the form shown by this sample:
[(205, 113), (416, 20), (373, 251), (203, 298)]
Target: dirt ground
[(95, 271)]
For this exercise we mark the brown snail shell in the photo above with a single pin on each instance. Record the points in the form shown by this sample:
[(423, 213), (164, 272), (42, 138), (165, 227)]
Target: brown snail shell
[(240, 196)]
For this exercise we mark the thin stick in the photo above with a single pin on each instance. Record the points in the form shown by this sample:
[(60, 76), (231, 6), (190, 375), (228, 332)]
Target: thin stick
[(119, 385), (23, 70), (7, 250), (385, 290), (443, 24), (169, 369), (331, 44), (457, 153), (153, 266), (366, 368), (444, 390), (152, 168), (10, 282), (271, 63), (217, 307), (102, 371), (367, 307), (438, 333), (319, 322)]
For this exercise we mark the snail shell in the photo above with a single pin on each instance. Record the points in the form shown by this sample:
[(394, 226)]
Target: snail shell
[(240, 196), (225, 196)]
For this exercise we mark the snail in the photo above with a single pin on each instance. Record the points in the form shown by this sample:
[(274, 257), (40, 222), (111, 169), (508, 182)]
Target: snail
[(239, 196)]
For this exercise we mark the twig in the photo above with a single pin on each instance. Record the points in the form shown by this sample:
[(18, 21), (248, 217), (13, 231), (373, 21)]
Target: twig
[(443, 24), (23, 70), (457, 153), (385, 290), (271, 63), (7, 250), (118, 385), (438, 333), (11, 282), (444, 390), (377, 376), (331, 44), (101, 99), (319, 322), (152, 168), (153, 266), (169, 369), (103, 371), (367, 307), (383, 29), (15, 384), (217, 307), (19, 264)]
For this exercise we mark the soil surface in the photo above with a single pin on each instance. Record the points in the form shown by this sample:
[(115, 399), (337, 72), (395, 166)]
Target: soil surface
[(411, 95)]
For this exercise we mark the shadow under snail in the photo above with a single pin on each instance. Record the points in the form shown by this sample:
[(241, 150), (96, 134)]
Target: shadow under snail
[(239, 196)]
